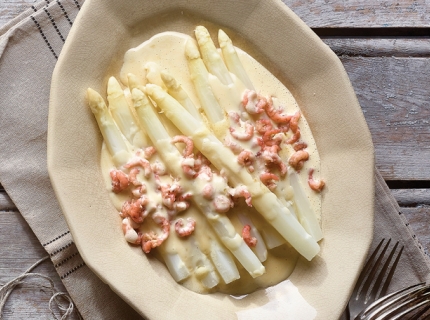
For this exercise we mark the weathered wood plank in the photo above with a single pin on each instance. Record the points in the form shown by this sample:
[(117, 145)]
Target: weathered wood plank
[(6, 203), (393, 93), (379, 47), (412, 197), (18, 251), (362, 13)]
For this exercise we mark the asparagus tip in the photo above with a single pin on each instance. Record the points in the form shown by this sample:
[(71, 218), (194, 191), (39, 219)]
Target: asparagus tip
[(191, 50), (223, 38)]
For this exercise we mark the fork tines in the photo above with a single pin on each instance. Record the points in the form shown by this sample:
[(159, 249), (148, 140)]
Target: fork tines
[(400, 304), (374, 280)]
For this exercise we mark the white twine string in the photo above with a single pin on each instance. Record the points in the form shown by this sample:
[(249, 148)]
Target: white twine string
[(8, 288)]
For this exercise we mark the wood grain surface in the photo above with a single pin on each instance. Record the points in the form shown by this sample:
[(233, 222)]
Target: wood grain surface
[(387, 58)]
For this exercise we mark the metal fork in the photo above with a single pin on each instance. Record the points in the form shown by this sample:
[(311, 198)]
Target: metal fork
[(398, 304), (372, 284)]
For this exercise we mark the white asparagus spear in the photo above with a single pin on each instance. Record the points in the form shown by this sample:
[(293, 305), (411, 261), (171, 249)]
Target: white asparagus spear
[(112, 136), (232, 60), (199, 76), (266, 203), (203, 267), (121, 154), (211, 57), (171, 156), (176, 91), (306, 215), (176, 266), (122, 114)]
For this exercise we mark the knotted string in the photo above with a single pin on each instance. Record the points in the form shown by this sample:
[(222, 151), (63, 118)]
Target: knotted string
[(8, 288)]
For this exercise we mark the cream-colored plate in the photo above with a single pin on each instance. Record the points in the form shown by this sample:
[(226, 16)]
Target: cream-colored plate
[(276, 37)]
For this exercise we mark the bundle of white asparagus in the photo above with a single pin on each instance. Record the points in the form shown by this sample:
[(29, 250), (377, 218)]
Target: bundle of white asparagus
[(165, 181)]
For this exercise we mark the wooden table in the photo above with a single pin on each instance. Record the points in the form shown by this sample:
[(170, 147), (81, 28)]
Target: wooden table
[(385, 48)]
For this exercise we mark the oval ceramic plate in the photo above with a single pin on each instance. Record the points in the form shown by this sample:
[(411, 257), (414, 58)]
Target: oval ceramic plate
[(278, 39)]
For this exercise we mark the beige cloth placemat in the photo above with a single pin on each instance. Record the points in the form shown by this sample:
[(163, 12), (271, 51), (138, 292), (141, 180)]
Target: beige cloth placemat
[(29, 48)]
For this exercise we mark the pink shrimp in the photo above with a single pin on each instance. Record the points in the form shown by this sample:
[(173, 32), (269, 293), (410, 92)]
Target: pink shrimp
[(120, 180), (137, 161), (246, 158), (149, 152), (184, 230), (222, 203), (189, 145), (246, 235), (263, 125), (130, 234), (300, 146), (270, 137), (316, 185), (151, 240), (135, 209), (298, 159), (241, 191), (234, 146), (294, 122), (158, 168), (245, 135), (140, 187), (275, 115), (188, 162), (294, 138), (271, 157), (269, 179), (205, 172), (208, 191), (133, 177), (253, 103)]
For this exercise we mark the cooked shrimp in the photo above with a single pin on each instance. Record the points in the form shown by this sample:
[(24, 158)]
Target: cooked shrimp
[(234, 146), (246, 235), (138, 161), (294, 138), (135, 209), (149, 152), (222, 203), (274, 114), (316, 185), (120, 180), (133, 177), (189, 145), (298, 159), (188, 162), (151, 240), (244, 135), (184, 230), (271, 157), (300, 146), (246, 158), (252, 102), (130, 234), (269, 179), (294, 122), (263, 125), (158, 168), (271, 137), (208, 191), (241, 191)]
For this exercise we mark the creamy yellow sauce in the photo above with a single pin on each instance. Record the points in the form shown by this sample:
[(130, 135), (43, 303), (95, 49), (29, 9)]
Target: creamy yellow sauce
[(166, 52)]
